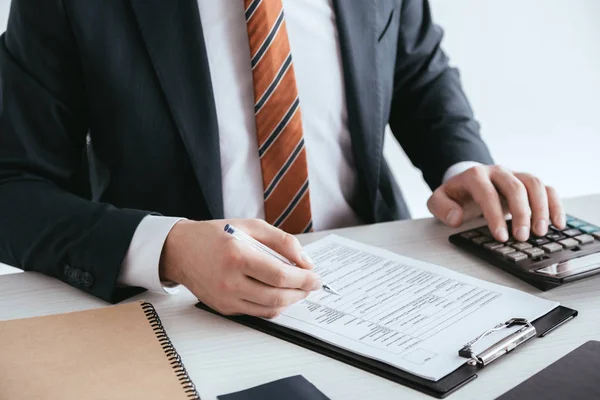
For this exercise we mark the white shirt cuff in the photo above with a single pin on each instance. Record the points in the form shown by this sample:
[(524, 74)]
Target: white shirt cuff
[(458, 168), (141, 264)]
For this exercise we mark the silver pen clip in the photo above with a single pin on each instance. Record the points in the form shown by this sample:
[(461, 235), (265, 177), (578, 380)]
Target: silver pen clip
[(501, 347)]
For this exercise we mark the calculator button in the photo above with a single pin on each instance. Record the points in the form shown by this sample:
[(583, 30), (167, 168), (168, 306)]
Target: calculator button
[(485, 231), (596, 235), (493, 245), (568, 243), (555, 236), (504, 250), (583, 239), (589, 229), (469, 235), (517, 256), (538, 241), (575, 223), (521, 246), (533, 252), (552, 247), (510, 242), (572, 232), (481, 240)]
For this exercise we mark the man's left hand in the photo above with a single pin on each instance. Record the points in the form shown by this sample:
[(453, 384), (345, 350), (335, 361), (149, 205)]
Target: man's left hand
[(493, 190)]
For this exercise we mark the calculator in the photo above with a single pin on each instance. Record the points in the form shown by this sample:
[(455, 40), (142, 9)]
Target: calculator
[(562, 256)]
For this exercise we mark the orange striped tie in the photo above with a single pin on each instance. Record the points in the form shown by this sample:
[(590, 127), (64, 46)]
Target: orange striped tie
[(278, 120)]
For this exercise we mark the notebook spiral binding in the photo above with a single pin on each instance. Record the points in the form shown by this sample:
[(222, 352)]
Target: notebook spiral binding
[(170, 352)]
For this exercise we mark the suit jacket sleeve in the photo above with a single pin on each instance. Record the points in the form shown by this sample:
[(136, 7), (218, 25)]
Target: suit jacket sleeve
[(430, 115), (47, 224)]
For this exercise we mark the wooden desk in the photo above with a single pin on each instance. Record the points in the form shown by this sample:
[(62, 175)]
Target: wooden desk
[(222, 356)]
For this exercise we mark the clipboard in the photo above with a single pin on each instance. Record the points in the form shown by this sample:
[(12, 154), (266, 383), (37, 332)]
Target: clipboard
[(439, 389)]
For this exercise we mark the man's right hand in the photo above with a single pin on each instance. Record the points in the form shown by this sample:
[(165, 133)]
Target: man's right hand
[(232, 277)]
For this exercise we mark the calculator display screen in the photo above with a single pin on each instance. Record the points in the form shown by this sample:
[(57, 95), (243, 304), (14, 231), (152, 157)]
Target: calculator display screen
[(572, 267)]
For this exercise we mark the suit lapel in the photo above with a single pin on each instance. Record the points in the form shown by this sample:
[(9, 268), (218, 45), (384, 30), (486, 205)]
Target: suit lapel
[(356, 22), (173, 36)]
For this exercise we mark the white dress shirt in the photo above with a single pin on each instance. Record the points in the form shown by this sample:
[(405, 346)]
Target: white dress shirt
[(332, 175)]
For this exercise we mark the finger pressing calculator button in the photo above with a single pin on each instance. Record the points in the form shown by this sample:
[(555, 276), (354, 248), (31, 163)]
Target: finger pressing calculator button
[(583, 239), (469, 235), (572, 232), (521, 246), (589, 229), (493, 245), (568, 243), (481, 240), (538, 241), (552, 247), (504, 250), (534, 252), (517, 256)]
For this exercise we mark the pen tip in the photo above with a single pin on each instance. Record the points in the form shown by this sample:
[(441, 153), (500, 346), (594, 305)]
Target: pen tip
[(331, 290)]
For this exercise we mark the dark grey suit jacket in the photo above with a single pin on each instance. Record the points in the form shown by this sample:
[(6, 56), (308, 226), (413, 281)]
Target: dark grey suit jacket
[(134, 75)]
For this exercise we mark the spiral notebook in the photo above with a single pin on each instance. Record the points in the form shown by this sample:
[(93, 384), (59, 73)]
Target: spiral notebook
[(117, 352)]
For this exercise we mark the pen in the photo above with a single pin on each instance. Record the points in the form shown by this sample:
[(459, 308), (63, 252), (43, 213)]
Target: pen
[(240, 235)]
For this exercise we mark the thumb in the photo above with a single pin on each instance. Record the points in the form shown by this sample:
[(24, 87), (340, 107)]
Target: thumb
[(283, 243), (289, 246), (444, 208)]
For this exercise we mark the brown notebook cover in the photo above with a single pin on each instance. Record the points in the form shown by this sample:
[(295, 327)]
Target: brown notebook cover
[(118, 352)]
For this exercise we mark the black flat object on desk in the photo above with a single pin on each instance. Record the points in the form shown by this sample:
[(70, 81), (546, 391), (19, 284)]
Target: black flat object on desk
[(291, 388), (562, 256), (573, 377)]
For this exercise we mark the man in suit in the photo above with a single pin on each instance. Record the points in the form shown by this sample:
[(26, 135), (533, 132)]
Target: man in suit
[(132, 131)]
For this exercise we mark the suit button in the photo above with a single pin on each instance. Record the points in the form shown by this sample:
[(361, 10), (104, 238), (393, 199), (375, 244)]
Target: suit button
[(87, 279), (74, 275)]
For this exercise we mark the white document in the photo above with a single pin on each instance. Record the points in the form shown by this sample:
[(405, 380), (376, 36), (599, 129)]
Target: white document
[(406, 313)]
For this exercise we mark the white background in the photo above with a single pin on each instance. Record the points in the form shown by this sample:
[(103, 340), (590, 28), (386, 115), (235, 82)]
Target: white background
[(531, 69)]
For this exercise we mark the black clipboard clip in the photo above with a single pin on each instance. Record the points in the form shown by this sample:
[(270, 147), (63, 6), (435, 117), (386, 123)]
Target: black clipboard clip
[(501, 347)]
